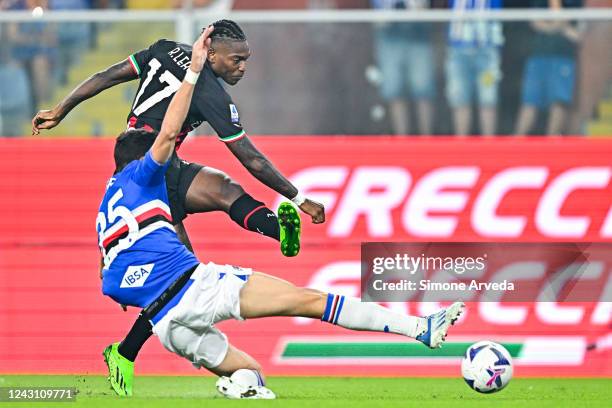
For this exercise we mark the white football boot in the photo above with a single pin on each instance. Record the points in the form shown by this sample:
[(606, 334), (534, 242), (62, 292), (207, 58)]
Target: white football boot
[(232, 390), (438, 324)]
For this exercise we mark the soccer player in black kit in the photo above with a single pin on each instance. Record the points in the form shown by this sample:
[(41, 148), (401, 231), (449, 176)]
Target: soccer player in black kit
[(193, 188)]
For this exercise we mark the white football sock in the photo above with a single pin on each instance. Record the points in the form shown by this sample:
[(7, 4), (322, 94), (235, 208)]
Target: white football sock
[(352, 314)]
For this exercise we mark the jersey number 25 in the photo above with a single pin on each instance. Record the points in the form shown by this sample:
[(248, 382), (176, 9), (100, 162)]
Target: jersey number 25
[(115, 212)]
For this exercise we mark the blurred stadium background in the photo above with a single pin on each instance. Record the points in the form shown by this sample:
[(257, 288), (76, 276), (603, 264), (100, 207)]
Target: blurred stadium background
[(317, 99)]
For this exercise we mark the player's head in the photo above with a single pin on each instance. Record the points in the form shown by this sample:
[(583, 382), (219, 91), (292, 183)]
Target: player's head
[(228, 51), (132, 145)]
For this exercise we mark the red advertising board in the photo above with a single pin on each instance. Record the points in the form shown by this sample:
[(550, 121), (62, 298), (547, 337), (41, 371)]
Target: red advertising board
[(54, 319)]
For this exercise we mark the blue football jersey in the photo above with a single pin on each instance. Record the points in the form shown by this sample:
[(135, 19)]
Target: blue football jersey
[(142, 253)]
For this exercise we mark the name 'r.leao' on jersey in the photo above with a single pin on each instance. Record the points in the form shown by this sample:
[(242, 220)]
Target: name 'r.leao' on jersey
[(161, 69)]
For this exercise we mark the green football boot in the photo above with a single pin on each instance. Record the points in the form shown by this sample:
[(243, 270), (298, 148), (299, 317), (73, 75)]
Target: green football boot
[(290, 228), (120, 371)]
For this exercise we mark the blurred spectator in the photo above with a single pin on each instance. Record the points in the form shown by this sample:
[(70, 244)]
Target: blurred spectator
[(148, 4), (108, 4), (473, 66), (74, 37), (214, 6), (15, 100), (33, 44), (405, 57), (550, 72)]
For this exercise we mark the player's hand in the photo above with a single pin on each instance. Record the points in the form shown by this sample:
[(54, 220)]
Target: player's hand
[(315, 210), (45, 119), (200, 50)]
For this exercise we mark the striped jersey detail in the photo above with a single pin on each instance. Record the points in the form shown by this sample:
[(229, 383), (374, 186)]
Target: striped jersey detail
[(123, 233), (134, 64), (233, 138), (150, 217), (115, 250), (333, 308), (147, 210), (143, 220)]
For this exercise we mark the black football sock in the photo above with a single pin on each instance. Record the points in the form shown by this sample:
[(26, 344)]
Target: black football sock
[(138, 335), (255, 216)]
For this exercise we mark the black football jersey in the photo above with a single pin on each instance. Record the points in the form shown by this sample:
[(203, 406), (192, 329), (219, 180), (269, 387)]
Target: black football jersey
[(161, 69)]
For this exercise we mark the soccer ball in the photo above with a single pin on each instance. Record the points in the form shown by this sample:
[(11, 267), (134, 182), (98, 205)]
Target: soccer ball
[(486, 367)]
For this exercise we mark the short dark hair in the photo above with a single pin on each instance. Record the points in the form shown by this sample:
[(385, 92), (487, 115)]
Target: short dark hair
[(132, 145), (227, 30)]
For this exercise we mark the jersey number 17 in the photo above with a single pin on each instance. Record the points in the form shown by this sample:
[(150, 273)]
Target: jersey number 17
[(166, 77)]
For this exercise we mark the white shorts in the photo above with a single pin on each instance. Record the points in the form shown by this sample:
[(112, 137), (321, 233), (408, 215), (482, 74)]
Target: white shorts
[(188, 328)]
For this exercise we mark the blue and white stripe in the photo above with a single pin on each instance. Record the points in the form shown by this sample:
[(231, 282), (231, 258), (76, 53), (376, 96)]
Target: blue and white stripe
[(333, 308)]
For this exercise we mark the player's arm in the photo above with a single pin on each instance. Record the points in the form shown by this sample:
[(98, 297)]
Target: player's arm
[(179, 106), (263, 170), (113, 75)]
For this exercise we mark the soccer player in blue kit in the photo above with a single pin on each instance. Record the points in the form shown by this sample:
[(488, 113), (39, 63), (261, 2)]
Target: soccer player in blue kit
[(146, 266)]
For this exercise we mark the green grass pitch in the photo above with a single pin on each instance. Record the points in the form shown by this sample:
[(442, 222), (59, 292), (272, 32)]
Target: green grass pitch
[(176, 392)]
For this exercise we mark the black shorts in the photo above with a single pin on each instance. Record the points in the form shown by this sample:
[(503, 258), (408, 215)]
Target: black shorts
[(179, 176)]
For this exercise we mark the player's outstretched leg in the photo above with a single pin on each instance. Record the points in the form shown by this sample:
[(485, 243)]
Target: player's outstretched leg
[(213, 190), (264, 295), (120, 371), (290, 229)]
